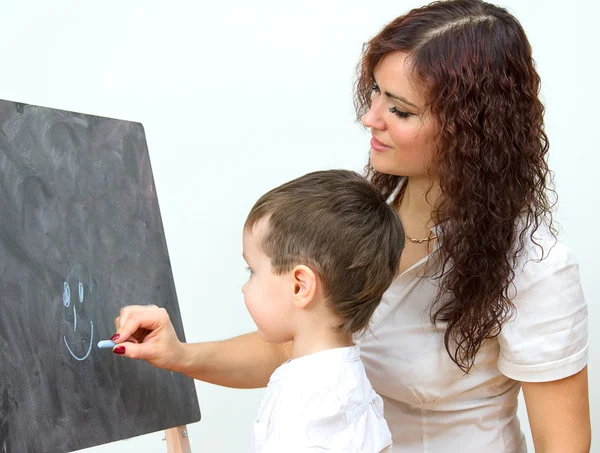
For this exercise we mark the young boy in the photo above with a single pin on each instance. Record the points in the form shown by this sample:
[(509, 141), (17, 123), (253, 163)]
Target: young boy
[(321, 250)]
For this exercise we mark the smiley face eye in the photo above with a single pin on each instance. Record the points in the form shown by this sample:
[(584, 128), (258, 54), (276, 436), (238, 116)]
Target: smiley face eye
[(66, 295), (80, 292)]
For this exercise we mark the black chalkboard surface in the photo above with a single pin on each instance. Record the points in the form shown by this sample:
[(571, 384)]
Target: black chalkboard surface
[(80, 237)]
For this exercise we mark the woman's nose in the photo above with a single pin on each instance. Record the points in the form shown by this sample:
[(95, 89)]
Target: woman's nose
[(373, 118)]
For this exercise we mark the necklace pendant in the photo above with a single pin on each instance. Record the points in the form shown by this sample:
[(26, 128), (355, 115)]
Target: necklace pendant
[(420, 241)]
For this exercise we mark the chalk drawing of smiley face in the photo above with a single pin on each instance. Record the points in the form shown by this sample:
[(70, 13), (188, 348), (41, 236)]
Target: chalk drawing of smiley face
[(76, 290)]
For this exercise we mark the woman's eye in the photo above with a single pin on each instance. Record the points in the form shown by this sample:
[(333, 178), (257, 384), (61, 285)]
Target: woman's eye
[(249, 271), (374, 90), (399, 113)]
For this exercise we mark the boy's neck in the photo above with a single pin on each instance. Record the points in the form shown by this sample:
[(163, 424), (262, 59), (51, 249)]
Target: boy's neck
[(317, 339)]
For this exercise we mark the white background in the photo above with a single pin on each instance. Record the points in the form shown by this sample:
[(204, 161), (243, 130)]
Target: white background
[(237, 97)]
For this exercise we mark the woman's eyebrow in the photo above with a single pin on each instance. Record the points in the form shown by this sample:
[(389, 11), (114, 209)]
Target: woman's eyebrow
[(400, 98), (396, 96)]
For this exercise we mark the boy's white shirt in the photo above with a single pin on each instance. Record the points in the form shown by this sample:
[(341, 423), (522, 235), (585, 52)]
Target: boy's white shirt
[(322, 402)]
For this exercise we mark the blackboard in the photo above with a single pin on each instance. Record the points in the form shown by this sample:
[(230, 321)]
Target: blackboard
[(81, 235)]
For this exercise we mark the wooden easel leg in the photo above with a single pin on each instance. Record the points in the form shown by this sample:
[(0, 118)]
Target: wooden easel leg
[(178, 440)]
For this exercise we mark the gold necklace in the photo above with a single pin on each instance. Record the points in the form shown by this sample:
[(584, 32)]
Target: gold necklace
[(429, 238)]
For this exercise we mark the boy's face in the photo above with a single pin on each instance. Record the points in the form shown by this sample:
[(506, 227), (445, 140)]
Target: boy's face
[(268, 296)]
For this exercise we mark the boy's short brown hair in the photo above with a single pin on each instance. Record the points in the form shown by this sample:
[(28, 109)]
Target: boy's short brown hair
[(338, 224)]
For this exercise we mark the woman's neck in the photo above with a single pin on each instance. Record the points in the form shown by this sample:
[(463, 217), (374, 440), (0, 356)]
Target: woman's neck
[(418, 202)]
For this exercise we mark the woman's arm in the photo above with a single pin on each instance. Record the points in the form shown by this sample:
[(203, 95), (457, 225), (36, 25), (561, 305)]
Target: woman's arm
[(559, 414), (241, 362), (146, 332)]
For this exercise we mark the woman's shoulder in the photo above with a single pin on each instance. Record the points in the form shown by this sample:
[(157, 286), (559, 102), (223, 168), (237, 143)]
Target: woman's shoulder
[(546, 336), (543, 256)]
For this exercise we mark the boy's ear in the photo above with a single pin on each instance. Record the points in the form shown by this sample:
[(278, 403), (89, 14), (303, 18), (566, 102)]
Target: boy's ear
[(304, 285)]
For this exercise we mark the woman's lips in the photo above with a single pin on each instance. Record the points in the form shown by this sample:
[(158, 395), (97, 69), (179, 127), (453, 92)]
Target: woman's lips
[(377, 145)]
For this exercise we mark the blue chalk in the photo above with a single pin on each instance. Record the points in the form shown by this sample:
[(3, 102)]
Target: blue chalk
[(106, 344)]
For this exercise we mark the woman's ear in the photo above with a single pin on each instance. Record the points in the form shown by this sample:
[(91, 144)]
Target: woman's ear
[(304, 286)]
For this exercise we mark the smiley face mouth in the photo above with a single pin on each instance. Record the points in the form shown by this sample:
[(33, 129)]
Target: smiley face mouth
[(89, 347), (66, 296)]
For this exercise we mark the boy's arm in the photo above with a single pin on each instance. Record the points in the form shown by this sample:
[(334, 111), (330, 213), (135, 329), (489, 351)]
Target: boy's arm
[(146, 332)]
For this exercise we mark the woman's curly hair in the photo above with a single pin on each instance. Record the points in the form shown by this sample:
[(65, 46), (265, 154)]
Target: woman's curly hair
[(474, 64)]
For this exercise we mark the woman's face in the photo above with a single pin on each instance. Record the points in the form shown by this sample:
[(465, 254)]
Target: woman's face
[(403, 132)]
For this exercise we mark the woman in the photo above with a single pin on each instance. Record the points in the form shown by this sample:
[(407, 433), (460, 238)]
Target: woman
[(486, 301)]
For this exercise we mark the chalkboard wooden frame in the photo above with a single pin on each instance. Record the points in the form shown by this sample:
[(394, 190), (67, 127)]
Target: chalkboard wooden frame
[(178, 440)]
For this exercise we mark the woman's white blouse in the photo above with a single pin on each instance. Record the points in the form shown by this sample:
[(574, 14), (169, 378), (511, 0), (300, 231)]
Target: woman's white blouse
[(430, 405)]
